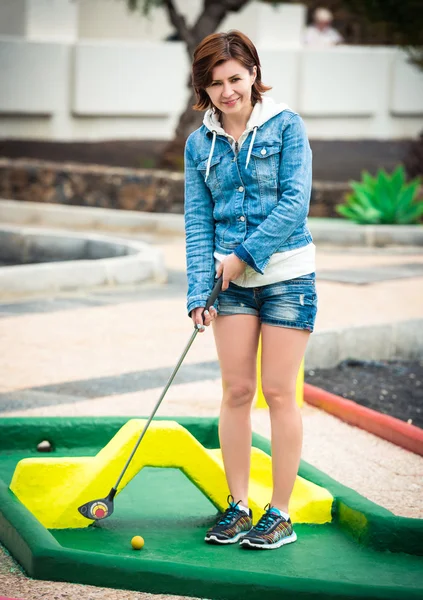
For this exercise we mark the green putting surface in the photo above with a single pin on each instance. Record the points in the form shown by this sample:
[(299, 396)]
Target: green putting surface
[(353, 557)]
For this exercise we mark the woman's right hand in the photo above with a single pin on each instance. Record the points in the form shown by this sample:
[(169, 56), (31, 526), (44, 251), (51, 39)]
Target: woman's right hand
[(203, 317)]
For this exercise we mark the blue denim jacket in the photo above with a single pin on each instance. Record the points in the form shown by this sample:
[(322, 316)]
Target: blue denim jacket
[(252, 203)]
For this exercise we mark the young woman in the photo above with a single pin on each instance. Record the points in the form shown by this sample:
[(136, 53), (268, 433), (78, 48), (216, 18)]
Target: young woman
[(247, 194)]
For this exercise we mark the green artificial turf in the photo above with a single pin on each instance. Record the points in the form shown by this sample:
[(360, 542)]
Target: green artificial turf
[(345, 559)]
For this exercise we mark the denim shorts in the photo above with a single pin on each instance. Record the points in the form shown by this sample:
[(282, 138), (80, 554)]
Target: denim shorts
[(291, 303)]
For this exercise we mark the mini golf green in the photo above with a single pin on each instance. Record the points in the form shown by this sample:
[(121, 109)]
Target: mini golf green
[(366, 552)]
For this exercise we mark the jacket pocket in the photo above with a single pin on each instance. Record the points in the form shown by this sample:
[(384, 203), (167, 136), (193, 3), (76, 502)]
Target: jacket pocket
[(263, 151), (228, 235), (213, 179), (266, 160)]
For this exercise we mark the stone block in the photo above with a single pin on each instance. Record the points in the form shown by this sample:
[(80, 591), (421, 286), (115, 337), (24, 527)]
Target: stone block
[(408, 339), (374, 342), (387, 235), (101, 261), (127, 270), (49, 277), (322, 350)]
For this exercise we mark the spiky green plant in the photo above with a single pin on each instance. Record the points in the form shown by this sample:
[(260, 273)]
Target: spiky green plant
[(384, 199)]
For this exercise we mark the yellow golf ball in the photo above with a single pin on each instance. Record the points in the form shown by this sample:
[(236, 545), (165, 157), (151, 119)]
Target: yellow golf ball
[(137, 542)]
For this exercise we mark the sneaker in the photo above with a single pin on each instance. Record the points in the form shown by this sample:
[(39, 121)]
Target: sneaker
[(231, 525), (271, 531)]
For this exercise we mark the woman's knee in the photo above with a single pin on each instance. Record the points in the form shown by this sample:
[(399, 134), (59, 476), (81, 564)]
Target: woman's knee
[(279, 396), (239, 393)]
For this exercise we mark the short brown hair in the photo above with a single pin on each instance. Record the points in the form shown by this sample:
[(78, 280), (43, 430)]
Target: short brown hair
[(216, 49)]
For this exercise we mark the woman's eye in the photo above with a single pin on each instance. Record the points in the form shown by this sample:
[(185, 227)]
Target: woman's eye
[(218, 82)]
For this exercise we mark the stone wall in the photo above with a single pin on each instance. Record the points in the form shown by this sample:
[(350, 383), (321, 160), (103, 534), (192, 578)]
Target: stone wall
[(147, 190), (325, 195), (92, 185)]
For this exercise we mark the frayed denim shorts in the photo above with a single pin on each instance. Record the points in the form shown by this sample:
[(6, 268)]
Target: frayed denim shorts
[(291, 303)]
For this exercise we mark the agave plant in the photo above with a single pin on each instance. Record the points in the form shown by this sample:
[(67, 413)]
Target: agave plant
[(384, 199)]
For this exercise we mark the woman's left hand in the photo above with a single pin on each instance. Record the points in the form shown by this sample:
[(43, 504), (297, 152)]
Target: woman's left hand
[(231, 268)]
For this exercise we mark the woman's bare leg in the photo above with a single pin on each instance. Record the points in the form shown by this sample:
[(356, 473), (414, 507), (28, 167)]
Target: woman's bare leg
[(236, 339), (282, 352)]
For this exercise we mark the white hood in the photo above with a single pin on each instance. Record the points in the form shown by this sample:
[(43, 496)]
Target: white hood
[(262, 112)]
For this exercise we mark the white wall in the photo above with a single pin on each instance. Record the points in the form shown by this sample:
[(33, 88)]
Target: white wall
[(12, 17), (40, 19), (129, 79), (407, 88), (52, 20), (103, 90), (64, 78), (33, 77), (265, 24), (111, 20)]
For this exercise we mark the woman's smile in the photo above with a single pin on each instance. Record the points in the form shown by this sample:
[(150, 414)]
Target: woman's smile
[(230, 102)]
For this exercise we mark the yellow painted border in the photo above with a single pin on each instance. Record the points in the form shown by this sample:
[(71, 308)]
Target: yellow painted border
[(52, 489)]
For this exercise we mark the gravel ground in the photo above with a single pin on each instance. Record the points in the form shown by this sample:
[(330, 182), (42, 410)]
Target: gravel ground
[(15, 583), (393, 387)]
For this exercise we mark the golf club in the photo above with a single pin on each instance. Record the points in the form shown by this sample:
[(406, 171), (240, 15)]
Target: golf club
[(103, 508)]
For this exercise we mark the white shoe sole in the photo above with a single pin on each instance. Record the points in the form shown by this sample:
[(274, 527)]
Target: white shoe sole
[(212, 539), (246, 543)]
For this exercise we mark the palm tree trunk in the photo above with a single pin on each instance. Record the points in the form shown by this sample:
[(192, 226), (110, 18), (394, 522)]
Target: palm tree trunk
[(173, 154)]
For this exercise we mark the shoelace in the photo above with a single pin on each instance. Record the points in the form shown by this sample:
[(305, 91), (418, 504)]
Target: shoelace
[(229, 513), (267, 519)]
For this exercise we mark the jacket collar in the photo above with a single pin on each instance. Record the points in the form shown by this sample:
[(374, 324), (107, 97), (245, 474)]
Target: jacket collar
[(261, 113)]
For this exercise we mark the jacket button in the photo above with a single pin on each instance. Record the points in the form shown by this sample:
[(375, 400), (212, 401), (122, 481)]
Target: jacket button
[(242, 218), (263, 151), (240, 189)]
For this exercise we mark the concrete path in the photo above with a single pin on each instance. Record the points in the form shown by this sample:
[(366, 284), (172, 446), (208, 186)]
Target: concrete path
[(110, 352)]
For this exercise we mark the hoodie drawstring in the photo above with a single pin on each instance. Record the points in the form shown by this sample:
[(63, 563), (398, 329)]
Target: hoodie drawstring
[(210, 155), (250, 149)]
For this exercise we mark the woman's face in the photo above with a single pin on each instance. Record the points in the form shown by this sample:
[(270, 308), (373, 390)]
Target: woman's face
[(230, 89)]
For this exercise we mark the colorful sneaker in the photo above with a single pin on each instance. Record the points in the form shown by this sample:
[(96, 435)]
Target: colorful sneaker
[(271, 531), (230, 526)]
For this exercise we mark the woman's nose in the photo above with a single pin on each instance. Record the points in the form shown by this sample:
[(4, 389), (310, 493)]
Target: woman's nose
[(227, 90)]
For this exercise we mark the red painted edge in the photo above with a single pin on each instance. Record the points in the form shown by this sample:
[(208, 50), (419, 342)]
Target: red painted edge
[(388, 428)]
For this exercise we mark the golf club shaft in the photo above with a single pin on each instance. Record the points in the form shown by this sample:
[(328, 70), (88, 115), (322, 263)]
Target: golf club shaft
[(209, 303)]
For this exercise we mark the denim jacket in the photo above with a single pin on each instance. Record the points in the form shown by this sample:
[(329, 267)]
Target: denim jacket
[(251, 200)]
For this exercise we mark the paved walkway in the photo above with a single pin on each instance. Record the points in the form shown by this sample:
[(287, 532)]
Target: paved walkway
[(110, 352)]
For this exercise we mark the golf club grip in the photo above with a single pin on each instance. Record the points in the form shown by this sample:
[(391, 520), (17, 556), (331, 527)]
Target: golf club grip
[(215, 292)]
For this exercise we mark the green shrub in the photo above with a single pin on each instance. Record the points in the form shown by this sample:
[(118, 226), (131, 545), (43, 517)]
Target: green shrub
[(384, 199)]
